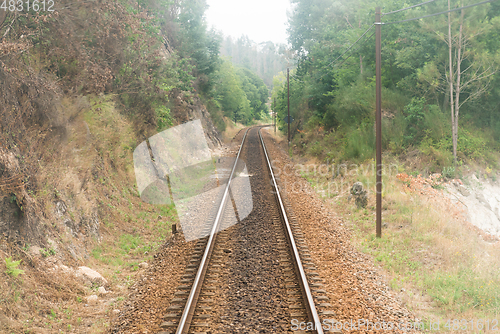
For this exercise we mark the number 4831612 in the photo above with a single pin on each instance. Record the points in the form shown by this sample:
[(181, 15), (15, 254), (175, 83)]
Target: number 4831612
[(20, 5)]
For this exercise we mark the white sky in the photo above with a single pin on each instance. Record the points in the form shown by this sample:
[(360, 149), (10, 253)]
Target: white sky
[(260, 20)]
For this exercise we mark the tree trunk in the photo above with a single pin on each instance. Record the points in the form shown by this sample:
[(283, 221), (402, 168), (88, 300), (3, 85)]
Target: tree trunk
[(450, 80), (457, 87)]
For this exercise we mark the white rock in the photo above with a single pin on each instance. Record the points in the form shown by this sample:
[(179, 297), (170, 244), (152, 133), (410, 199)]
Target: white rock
[(116, 311), (64, 269), (143, 265), (101, 291), (34, 251), (463, 190), (92, 299), (91, 275)]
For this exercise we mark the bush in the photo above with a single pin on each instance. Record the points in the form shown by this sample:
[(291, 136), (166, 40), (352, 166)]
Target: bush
[(436, 123), (216, 114), (393, 133), (449, 172), (360, 143), (414, 115), (439, 156), (164, 118), (316, 149), (352, 105), (469, 145)]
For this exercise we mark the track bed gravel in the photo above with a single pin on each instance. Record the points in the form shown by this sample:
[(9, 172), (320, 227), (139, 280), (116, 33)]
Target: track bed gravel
[(250, 287), (356, 288), (255, 294)]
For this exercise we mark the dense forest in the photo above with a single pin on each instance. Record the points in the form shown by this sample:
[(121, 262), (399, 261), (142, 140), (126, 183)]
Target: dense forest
[(432, 68), (265, 59)]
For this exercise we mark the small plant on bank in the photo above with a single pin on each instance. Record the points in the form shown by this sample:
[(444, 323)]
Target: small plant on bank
[(449, 172), (437, 186), (47, 252), (12, 269)]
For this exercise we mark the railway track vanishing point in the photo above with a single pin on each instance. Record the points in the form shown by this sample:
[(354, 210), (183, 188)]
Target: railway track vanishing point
[(255, 276)]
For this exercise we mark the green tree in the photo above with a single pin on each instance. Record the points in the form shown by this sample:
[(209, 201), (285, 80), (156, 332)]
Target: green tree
[(469, 65), (256, 92), (230, 95)]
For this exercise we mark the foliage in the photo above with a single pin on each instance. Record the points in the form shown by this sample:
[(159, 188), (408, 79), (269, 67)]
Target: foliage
[(240, 93), (12, 269), (230, 95), (265, 60), (46, 252), (469, 145), (337, 92), (163, 116), (360, 143), (448, 172), (255, 90), (145, 53), (352, 105)]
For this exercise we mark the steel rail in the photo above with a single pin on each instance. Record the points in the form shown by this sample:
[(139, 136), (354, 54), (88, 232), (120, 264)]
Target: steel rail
[(309, 300), (188, 312)]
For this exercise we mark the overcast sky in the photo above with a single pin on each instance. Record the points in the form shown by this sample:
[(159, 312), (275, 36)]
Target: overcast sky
[(260, 20)]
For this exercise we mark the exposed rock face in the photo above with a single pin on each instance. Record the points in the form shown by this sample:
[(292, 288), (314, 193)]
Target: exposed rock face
[(18, 219), (481, 201), (191, 108), (359, 194), (463, 190), (69, 207)]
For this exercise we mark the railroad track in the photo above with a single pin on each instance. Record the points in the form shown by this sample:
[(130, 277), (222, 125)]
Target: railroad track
[(256, 276)]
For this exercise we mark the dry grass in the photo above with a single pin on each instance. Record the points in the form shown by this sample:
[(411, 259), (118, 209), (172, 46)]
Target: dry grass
[(438, 261), (231, 129), (278, 136), (91, 173)]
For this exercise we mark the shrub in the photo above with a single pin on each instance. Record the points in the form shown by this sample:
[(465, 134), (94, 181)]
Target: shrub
[(469, 145), (393, 134), (164, 118), (449, 172), (360, 143), (436, 123), (316, 149), (414, 115)]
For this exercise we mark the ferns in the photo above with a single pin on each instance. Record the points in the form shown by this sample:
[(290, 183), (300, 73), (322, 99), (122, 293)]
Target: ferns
[(12, 269)]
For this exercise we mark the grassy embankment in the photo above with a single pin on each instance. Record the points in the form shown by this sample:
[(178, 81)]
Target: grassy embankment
[(439, 265), (93, 167)]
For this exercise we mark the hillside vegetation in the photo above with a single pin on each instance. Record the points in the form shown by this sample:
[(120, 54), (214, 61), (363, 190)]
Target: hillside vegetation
[(335, 92), (144, 56), (81, 87), (433, 252), (265, 59)]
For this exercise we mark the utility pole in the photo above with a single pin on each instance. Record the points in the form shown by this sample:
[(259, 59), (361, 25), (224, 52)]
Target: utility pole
[(378, 119), (288, 84), (274, 115)]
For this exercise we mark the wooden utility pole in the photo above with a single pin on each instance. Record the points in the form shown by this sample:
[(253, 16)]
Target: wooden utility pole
[(288, 84), (378, 119), (274, 115)]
